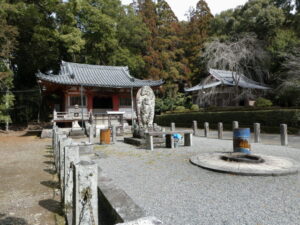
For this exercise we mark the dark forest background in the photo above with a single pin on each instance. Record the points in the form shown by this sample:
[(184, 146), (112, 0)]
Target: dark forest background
[(146, 36)]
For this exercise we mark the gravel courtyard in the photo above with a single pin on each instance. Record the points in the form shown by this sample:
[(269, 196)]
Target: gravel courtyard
[(168, 186), (28, 184)]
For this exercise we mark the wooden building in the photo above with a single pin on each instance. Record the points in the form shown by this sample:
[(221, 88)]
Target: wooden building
[(96, 89), (226, 88)]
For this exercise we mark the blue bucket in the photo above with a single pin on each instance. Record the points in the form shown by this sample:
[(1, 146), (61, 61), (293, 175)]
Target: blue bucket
[(241, 140)]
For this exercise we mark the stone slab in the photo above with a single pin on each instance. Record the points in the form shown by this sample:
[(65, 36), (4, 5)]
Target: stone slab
[(134, 141), (115, 205), (273, 166), (143, 221)]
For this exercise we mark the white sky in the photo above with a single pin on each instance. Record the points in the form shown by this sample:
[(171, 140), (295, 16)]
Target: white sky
[(180, 7)]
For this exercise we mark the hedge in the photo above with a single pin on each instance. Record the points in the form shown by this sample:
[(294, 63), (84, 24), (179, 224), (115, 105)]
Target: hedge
[(270, 120)]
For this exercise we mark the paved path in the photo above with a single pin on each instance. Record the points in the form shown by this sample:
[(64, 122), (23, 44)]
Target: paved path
[(27, 182), (168, 186)]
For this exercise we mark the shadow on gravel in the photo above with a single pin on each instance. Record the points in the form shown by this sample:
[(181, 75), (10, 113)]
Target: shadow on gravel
[(32, 133), (48, 156), (50, 171), (51, 184), (52, 206), (49, 162), (11, 220)]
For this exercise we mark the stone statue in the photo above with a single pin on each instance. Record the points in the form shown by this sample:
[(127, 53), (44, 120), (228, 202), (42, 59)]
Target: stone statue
[(145, 107)]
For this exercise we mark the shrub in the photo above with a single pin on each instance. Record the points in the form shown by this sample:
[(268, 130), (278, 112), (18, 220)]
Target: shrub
[(180, 109), (267, 118), (195, 107), (170, 103), (263, 102)]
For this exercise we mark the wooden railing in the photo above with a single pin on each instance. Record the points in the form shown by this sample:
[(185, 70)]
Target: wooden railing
[(67, 116)]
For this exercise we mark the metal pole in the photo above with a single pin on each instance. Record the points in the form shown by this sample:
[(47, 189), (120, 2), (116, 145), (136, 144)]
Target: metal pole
[(81, 106)]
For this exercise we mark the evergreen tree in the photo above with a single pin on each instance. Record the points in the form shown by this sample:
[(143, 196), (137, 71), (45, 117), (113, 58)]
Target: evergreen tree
[(8, 43), (196, 34)]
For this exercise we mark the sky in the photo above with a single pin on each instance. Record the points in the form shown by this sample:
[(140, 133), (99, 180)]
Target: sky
[(180, 7)]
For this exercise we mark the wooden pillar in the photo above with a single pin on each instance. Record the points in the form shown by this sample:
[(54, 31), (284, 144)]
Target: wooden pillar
[(116, 103), (90, 102), (66, 102)]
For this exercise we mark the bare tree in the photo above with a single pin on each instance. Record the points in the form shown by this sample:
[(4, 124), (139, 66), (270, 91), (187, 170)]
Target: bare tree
[(243, 55)]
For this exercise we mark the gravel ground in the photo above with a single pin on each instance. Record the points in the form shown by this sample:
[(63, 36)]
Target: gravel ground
[(168, 186), (28, 181)]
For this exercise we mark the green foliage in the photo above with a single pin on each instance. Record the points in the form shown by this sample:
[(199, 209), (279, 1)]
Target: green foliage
[(171, 103), (194, 107), (195, 35), (289, 97), (8, 35), (261, 17), (267, 118), (180, 109), (263, 102)]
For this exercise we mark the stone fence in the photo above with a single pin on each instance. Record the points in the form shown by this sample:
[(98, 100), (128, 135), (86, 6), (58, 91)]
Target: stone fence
[(88, 196)]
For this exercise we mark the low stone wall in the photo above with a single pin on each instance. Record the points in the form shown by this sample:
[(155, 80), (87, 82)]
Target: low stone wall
[(89, 197), (48, 133)]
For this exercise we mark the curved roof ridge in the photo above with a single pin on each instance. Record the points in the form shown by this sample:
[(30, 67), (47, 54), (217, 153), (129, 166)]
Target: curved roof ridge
[(93, 66)]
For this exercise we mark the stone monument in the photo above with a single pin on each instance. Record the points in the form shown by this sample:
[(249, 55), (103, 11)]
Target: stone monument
[(145, 105), (145, 100)]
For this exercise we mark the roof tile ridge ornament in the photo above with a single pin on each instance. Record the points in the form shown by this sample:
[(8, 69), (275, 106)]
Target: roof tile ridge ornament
[(85, 65), (126, 71), (70, 70)]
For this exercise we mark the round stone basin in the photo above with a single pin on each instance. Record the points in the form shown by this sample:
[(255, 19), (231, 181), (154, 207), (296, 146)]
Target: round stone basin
[(242, 158), (245, 164)]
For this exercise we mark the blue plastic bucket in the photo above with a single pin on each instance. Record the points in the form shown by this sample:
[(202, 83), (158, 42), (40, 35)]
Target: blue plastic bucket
[(241, 140)]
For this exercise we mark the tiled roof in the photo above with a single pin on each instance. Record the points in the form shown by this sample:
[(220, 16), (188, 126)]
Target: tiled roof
[(96, 76), (226, 78)]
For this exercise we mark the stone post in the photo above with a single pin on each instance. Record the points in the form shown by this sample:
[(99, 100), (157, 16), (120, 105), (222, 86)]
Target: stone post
[(188, 139), (71, 158), (114, 133), (54, 131), (62, 144), (235, 125), (220, 130), (172, 126), (256, 132), (149, 140), (195, 127), (206, 129), (86, 195), (91, 133), (59, 137), (284, 134), (54, 117), (169, 141)]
